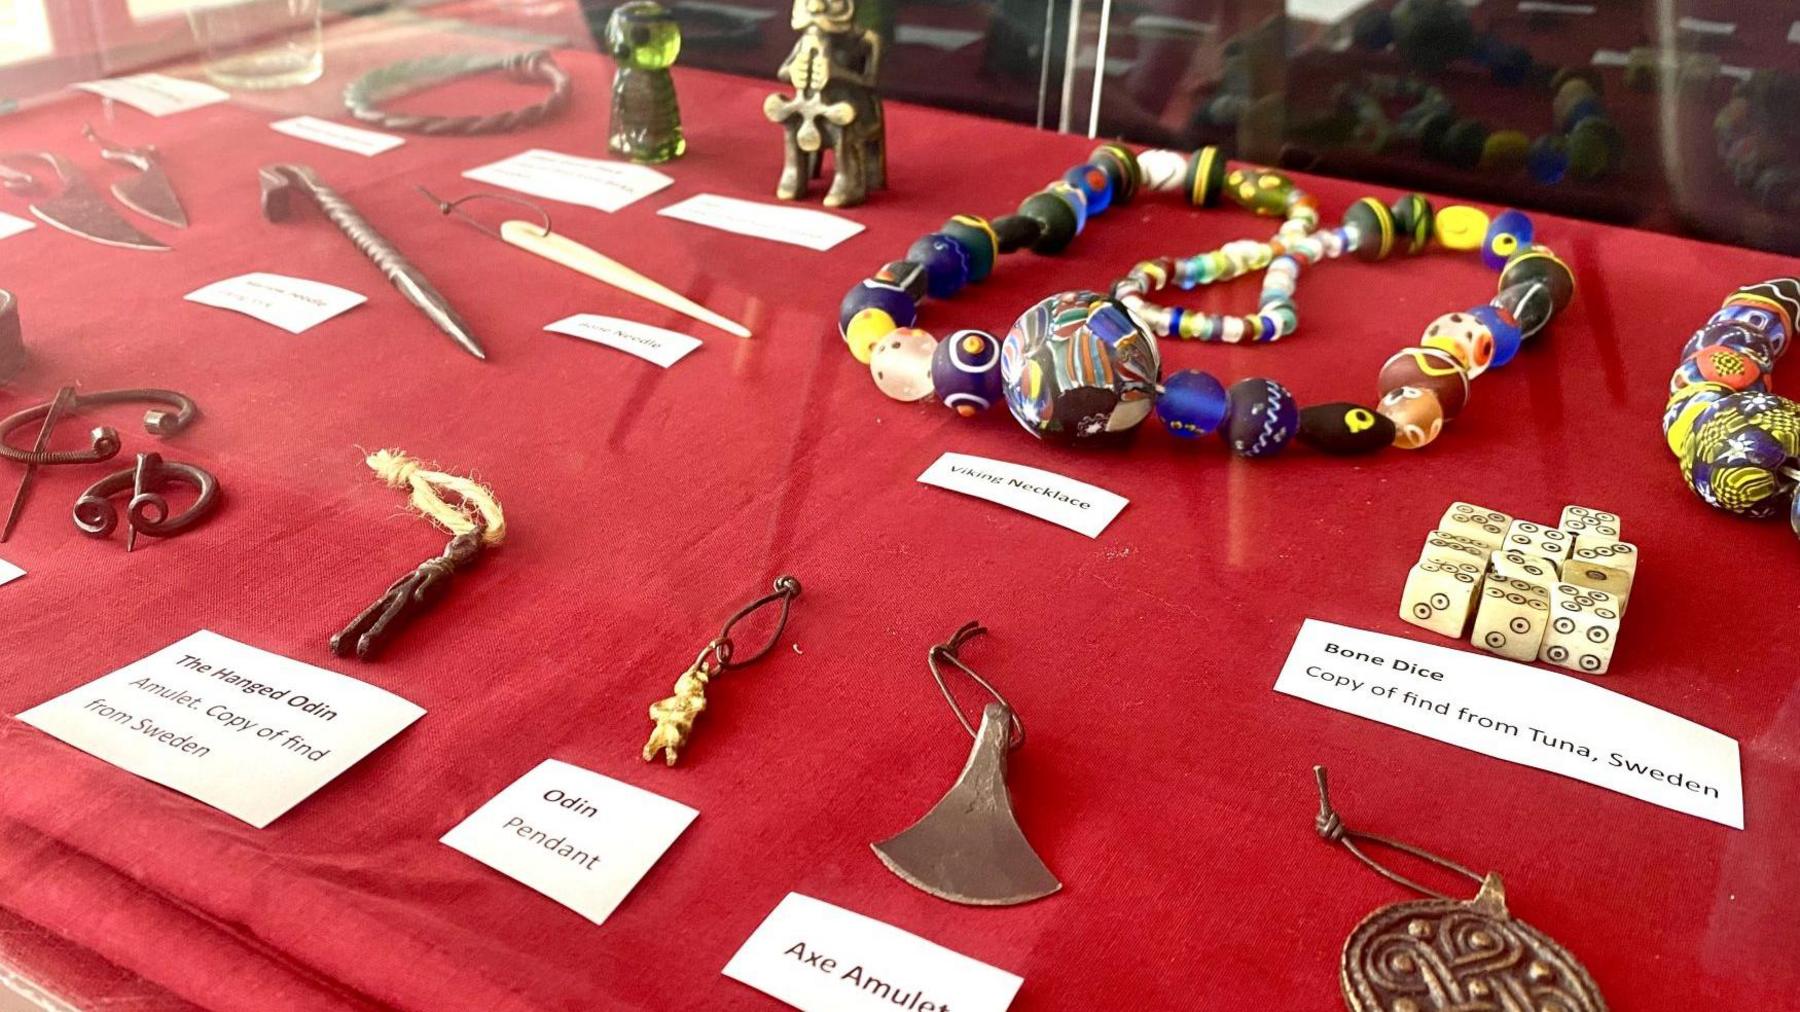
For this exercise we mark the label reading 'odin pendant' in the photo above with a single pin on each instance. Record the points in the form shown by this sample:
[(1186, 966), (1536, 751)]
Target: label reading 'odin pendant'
[(1468, 956)]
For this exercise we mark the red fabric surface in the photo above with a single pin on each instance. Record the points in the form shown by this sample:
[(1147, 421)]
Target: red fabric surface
[(1164, 782)]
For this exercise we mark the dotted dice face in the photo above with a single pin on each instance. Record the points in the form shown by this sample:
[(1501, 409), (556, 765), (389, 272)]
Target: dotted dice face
[(1440, 595), (1594, 576), (1520, 566), (1543, 542), (1621, 555), (1583, 521), (1584, 629), (1456, 548), (1511, 617), (1477, 523)]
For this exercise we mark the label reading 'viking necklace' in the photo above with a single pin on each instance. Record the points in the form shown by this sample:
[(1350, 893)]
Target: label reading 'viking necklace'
[(580, 838), (1520, 713), (246, 731), (822, 958), (1083, 508)]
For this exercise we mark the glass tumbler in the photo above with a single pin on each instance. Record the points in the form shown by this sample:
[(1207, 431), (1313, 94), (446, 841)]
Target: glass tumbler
[(259, 44)]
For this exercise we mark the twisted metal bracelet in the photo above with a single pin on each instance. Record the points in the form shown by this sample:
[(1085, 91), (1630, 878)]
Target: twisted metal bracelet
[(364, 95)]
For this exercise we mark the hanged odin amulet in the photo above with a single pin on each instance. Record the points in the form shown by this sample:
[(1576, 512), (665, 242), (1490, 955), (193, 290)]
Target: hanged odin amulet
[(1443, 955)]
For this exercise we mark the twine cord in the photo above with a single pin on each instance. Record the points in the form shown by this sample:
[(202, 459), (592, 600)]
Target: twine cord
[(470, 505)]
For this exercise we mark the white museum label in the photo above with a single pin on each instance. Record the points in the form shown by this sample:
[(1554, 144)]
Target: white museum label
[(1520, 713), (156, 94), (1064, 501), (246, 731), (822, 958), (580, 838), (337, 135), (9, 572), (589, 182), (1703, 26), (652, 344), (293, 304), (11, 225), (797, 226)]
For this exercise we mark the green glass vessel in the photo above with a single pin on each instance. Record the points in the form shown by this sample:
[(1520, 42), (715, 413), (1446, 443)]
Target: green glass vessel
[(646, 119)]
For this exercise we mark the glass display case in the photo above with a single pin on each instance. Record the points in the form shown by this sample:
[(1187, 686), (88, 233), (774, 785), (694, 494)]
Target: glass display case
[(530, 504)]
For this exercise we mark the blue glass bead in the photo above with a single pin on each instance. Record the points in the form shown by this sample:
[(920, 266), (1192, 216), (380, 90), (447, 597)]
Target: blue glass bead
[(1753, 343), (946, 264), (1261, 417), (1547, 159), (1508, 338), (1095, 185), (965, 371), (1191, 403), (882, 295), (1509, 232)]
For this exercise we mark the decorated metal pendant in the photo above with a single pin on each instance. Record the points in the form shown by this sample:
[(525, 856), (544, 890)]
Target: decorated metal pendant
[(1445, 955)]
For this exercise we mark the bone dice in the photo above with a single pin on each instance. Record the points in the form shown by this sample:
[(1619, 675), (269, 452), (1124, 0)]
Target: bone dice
[(1586, 522), (1442, 545), (1440, 595), (1620, 555), (1520, 566), (1511, 617), (1477, 523), (1543, 542), (1522, 590), (1584, 629)]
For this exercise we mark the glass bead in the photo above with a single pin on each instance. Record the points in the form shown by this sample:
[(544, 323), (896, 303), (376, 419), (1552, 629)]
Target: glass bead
[(946, 263), (882, 295), (866, 328), (965, 371), (1191, 404), (1075, 367), (1261, 417), (1094, 184), (1416, 414), (1509, 232), (901, 364)]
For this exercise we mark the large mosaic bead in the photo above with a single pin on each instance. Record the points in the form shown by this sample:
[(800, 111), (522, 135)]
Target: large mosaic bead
[(1687, 409), (1719, 364), (965, 371), (1344, 429), (1773, 306), (946, 263), (1432, 369), (1749, 340), (1735, 457), (1509, 232), (882, 295), (1191, 403), (977, 238), (1261, 418), (1055, 218), (1466, 337), (1076, 366), (1416, 414), (1095, 185), (901, 364)]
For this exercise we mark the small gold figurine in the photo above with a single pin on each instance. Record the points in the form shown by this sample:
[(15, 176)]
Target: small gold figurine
[(674, 716)]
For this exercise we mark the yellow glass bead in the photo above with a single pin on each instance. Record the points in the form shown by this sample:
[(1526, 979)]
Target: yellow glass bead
[(866, 329), (1461, 227)]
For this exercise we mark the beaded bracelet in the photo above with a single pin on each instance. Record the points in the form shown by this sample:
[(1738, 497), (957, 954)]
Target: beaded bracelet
[(1079, 366), (1738, 442), (363, 96)]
